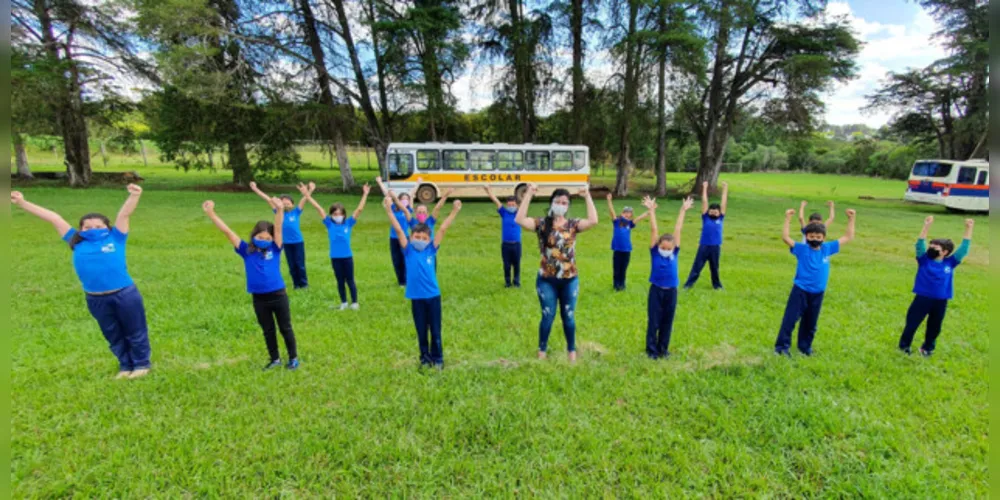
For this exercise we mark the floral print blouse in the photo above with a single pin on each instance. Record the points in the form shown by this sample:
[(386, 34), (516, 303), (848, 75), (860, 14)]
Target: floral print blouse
[(559, 250)]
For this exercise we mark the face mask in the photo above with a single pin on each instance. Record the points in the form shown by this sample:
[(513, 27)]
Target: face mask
[(713, 217), (511, 209), (815, 243), (666, 254), (421, 218), (262, 244), (558, 210), (419, 245), (339, 219), (933, 253), (95, 234), (405, 203)]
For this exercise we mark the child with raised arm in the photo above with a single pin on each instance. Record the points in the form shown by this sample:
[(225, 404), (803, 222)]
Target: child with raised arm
[(815, 217), (338, 230), (811, 276), (421, 282), (621, 242), (663, 278), (710, 247), (295, 247), (429, 219), (99, 261), (262, 264), (510, 238), (401, 211), (933, 287)]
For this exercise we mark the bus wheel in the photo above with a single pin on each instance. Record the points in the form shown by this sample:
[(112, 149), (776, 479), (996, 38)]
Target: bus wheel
[(426, 194), (519, 192)]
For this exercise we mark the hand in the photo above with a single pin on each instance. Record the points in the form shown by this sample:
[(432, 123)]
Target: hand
[(969, 223), (134, 189), (929, 220), (253, 186), (420, 179), (790, 213), (608, 197), (648, 202), (585, 192), (725, 185), (16, 198), (303, 189), (487, 189), (365, 189), (457, 204), (851, 213), (532, 188), (208, 207), (312, 187), (688, 203), (704, 185), (448, 192), (803, 204), (277, 203), (387, 203), (829, 203)]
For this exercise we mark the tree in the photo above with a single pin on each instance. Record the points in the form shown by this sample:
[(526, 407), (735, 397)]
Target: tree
[(630, 50), (32, 112)]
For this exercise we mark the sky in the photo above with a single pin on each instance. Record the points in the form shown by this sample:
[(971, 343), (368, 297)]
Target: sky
[(897, 35)]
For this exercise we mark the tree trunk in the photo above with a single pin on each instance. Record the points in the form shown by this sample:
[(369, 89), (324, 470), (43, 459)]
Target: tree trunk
[(661, 112), (104, 154), (346, 175), (240, 163), (628, 104), (142, 149), (23, 170), (524, 92), (377, 133), (710, 160), (432, 89), (576, 28)]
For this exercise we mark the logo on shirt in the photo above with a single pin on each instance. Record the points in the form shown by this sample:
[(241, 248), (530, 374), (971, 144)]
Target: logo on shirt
[(109, 248), (345, 230), (718, 222), (268, 255), (430, 261), (291, 219), (947, 269), (826, 260)]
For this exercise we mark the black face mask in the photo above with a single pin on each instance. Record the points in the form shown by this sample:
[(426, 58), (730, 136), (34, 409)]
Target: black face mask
[(933, 253), (713, 217), (815, 243)]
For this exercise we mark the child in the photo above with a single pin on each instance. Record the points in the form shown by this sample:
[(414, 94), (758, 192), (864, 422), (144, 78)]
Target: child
[(710, 246), (663, 279), (621, 242), (811, 276), (261, 261), (421, 282), (510, 239), (338, 230), (112, 297), (401, 211), (420, 215), (936, 263), (815, 217), (295, 247)]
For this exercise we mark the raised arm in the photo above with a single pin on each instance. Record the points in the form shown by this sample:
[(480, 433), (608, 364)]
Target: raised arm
[(437, 208), (928, 222), (802, 213), (413, 190), (391, 195), (963, 248), (319, 208), (704, 197), (833, 213), (263, 195), (679, 225), (725, 197), (592, 219), (849, 235), (785, 236), (279, 222), (62, 227), (493, 198), (364, 199), (654, 232), (439, 234), (209, 208), (611, 207), (643, 216), (400, 234), (306, 191), (522, 218), (125, 213)]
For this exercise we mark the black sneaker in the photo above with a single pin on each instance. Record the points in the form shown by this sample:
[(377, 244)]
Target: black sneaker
[(783, 352), (806, 353), (273, 364), (905, 350), (925, 353)]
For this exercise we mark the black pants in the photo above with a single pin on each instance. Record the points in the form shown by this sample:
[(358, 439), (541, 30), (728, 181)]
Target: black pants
[(621, 260), (270, 307), (924, 307), (398, 261), (511, 252), (709, 254), (295, 256), (343, 269), (660, 309), (804, 305), (427, 319)]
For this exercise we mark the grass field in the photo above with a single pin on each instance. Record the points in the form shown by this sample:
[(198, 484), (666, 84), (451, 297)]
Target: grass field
[(724, 417)]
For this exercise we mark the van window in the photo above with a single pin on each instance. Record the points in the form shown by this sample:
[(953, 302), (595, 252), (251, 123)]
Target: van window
[(400, 166), (984, 177), (931, 169), (482, 160), (967, 175), (428, 160), (455, 160), (510, 160), (536, 160), (562, 160)]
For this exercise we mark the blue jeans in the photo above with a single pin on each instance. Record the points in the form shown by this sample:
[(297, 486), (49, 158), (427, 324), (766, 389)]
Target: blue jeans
[(804, 305), (295, 256), (122, 318), (660, 308), (924, 307), (427, 319), (511, 252), (561, 294), (706, 254)]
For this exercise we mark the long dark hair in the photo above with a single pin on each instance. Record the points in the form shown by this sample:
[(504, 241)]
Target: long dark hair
[(547, 224), (76, 236), (261, 227)]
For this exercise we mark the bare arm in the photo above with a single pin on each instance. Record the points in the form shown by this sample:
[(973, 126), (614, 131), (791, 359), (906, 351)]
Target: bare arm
[(522, 218), (591, 220), (400, 234), (439, 234), (437, 208), (62, 227), (209, 208), (611, 207), (364, 199), (786, 229), (493, 198), (392, 196), (928, 222), (643, 216), (802, 214), (654, 232), (725, 197), (969, 225), (833, 214), (264, 196), (679, 225), (279, 221), (306, 192), (319, 208), (413, 191), (849, 235), (704, 197), (124, 215)]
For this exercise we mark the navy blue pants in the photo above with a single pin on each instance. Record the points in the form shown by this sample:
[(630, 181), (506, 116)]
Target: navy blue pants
[(511, 252), (122, 318), (924, 307), (270, 307), (427, 319), (398, 261), (805, 306), (660, 308), (621, 260), (706, 254), (295, 256), (343, 269), (557, 294)]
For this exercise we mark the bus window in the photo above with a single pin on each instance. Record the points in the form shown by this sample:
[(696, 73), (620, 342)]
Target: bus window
[(536, 160), (400, 165), (579, 160), (482, 160), (967, 175), (510, 160), (562, 160), (984, 176), (428, 160), (931, 169), (455, 160)]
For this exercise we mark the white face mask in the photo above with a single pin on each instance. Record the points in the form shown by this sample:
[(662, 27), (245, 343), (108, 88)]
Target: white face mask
[(558, 210), (666, 254), (339, 219)]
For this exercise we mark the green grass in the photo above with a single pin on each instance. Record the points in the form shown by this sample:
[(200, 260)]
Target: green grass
[(722, 418)]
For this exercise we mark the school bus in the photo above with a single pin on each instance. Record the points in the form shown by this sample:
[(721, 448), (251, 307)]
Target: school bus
[(433, 168), (956, 184)]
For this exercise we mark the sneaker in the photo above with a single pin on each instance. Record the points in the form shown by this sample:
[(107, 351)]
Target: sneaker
[(355, 306), (508, 285), (141, 372), (123, 374), (438, 366), (925, 353), (517, 285), (273, 364), (542, 355), (783, 352), (687, 287), (665, 355), (572, 357), (343, 306), (292, 365), (905, 350), (806, 353)]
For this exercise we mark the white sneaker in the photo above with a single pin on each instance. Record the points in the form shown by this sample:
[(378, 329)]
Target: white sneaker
[(343, 307), (355, 306)]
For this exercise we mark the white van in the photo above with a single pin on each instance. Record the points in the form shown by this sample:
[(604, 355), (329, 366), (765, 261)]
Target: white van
[(956, 184)]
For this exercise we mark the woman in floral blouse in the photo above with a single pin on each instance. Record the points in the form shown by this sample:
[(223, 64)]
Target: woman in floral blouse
[(557, 282)]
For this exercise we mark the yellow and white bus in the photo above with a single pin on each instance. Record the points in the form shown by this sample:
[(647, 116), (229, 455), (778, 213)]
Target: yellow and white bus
[(432, 168)]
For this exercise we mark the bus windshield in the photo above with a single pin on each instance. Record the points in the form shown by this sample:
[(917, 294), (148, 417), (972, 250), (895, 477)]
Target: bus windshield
[(400, 165), (931, 169)]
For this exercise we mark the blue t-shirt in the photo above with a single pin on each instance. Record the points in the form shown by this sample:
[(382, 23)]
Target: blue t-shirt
[(263, 268), (421, 279), (429, 223), (403, 223), (711, 230), (511, 231), (100, 265), (621, 240), (663, 272), (935, 278), (813, 270), (340, 237), (290, 230)]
